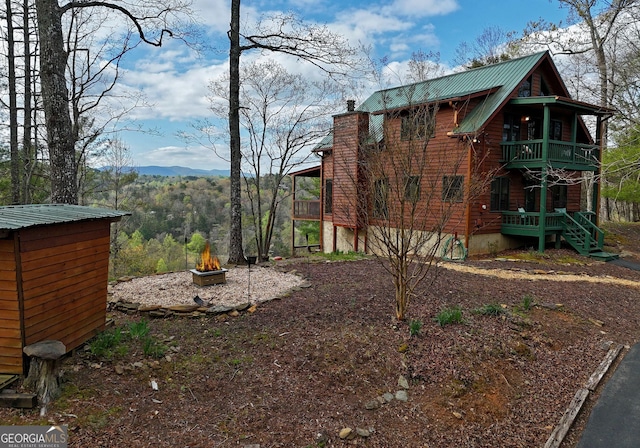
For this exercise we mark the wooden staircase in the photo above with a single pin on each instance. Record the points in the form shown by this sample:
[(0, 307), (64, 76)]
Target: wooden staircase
[(584, 236)]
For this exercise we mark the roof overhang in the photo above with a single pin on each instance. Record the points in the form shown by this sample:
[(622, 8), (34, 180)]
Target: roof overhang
[(579, 106), (314, 171)]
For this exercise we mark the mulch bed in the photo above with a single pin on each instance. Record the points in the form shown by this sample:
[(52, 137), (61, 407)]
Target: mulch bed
[(300, 369)]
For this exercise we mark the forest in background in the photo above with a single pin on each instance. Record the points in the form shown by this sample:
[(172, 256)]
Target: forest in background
[(173, 217)]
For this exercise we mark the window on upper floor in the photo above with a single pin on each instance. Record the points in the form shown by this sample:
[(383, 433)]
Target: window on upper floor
[(418, 124), (525, 88), (511, 128), (452, 188), (555, 130)]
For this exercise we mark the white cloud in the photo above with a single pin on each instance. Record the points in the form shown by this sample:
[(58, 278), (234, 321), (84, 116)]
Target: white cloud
[(421, 8)]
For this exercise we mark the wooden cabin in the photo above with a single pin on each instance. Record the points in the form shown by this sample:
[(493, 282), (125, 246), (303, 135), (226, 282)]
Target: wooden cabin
[(500, 149), (54, 264)]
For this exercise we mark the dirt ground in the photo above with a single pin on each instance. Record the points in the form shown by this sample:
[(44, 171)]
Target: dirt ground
[(300, 369)]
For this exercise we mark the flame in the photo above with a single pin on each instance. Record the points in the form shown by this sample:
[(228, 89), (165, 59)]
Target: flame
[(207, 262)]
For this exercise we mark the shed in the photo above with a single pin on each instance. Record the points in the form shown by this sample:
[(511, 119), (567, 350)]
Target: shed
[(54, 265)]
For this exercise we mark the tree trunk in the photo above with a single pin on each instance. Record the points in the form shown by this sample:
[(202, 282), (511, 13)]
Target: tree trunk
[(236, 253), (13, 109), (55, 99), (27, 145)]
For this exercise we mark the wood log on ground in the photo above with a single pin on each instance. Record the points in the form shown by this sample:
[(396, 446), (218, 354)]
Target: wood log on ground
[(44, 376)]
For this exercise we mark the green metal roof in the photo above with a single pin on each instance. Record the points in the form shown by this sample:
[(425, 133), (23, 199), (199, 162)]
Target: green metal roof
[(499, 79), (15, 217)]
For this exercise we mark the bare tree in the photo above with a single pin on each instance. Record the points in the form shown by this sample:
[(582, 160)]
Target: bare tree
[(282, 34), (13, 108), (284, 114), (403, 182), (53, 63), (491, 46)]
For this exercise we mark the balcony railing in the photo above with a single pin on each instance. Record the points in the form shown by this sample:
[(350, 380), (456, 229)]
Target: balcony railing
[(528, 223), (306, 209), (530, 153)]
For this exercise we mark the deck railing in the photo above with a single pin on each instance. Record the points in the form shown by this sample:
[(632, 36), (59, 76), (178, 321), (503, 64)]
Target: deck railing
[(529, 151), (309, 209), (528, 223)]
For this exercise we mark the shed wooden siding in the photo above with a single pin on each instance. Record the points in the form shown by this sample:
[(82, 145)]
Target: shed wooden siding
[(10, 332), (64, 279)]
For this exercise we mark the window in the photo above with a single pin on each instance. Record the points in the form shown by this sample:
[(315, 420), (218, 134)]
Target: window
[(328, 196), (559, 196), (525, 88), (380, 193), (412, 188), (555, 130), (500, 194), (511, 128), (418, 124), (452, 188)]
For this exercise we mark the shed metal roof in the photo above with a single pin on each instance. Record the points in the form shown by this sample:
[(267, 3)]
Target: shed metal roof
[(15, 217)]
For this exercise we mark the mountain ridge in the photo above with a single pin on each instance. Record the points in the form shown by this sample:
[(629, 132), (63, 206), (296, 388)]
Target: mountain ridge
[(169, 171)]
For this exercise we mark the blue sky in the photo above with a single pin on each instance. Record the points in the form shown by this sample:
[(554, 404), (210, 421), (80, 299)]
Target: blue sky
[(174, 80)]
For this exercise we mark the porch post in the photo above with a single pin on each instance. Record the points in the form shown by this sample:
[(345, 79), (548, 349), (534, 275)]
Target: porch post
[(595, 198), (543, 179)]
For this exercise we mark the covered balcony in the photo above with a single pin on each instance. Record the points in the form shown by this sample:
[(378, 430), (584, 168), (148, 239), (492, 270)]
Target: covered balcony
[(306, 209), (532, 154)]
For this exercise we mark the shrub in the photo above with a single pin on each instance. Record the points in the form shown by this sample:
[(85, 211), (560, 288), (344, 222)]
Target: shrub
[(414, 327), (107, 344), (139, 330), (491, 309), (527, 302), (449, 316)]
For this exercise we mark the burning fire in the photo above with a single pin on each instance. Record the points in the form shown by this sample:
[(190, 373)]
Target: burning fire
[(207, 262)]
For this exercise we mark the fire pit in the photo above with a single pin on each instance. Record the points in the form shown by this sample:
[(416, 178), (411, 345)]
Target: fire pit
[(208, 270)]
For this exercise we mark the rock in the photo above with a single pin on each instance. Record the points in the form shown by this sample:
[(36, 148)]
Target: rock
[(183, 308), (234, 313), (552, 306), (346, 434), (147, 308), (242, 306), (388, 397), (363, 432), (381, 399), (402, 382), (219, 309), (457, 415), (48, 349), (252, 308), (157, 313), (403, 348), (138, 365), (402, 395), (119, 369), (371, 405)]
